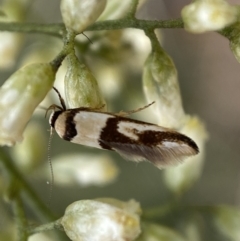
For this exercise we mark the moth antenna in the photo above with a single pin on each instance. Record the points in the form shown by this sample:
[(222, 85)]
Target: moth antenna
[(87, 37), (141, 108), (61, 99), (123, 113), (51, 166), (99, 108)]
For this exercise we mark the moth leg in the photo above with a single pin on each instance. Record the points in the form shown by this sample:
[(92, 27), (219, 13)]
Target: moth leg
[(126, 113), (52, 107)]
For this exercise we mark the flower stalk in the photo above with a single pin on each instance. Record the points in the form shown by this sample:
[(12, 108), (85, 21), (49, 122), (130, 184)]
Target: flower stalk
[(32, 198), (58, 29)]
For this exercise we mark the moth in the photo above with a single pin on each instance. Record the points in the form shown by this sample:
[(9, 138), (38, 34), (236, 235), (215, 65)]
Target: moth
[(133, 139)]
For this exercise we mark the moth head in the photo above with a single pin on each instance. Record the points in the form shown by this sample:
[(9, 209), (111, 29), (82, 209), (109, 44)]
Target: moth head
[(54, 115)]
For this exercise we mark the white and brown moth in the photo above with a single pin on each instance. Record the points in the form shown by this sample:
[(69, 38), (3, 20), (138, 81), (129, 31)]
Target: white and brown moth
[(134, 140)]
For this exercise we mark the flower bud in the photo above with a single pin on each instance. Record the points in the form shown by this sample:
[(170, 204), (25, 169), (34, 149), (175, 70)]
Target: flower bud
[(116, 9), (44, 50), (81, 87), (10, 43), (84, 170), (227, 220), (156, 232), (79, 14), (41, 237), (19, 96), (182, 177), (191, 228), (160, 84), (208, 15), (98, 220), (32, 150)]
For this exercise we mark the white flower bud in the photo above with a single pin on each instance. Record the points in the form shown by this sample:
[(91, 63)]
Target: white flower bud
[(41, 237), (227, 219), (208, 15), (192, 226), (136, 55), (10, 43), (81, 87), (130, 206), (116, 9), (19, 96), (160, 84), (98, 220), (156, 232), (182, 177), (44, 50), (110, 79), (32, 150), (84, 170), (79, 14)]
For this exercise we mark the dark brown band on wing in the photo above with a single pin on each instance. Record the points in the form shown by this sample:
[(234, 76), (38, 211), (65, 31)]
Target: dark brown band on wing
[(110, 134), (149, 138), (70, 126)]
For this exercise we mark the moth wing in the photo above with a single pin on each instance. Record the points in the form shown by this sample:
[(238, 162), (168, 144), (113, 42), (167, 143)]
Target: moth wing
[(160, 155)]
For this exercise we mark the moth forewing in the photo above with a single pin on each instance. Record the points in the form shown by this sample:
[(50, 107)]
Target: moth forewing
[(161, 156), (132, 139), (137, 141)]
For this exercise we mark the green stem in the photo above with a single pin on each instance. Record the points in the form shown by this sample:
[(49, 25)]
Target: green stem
[(156, 47), (231, 32), (41, 210), (133, 9), (47, 227), (58, 29), (68, 47), (135, 23), (20, 218), (14, 197), (50, 29), (162, 211)]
